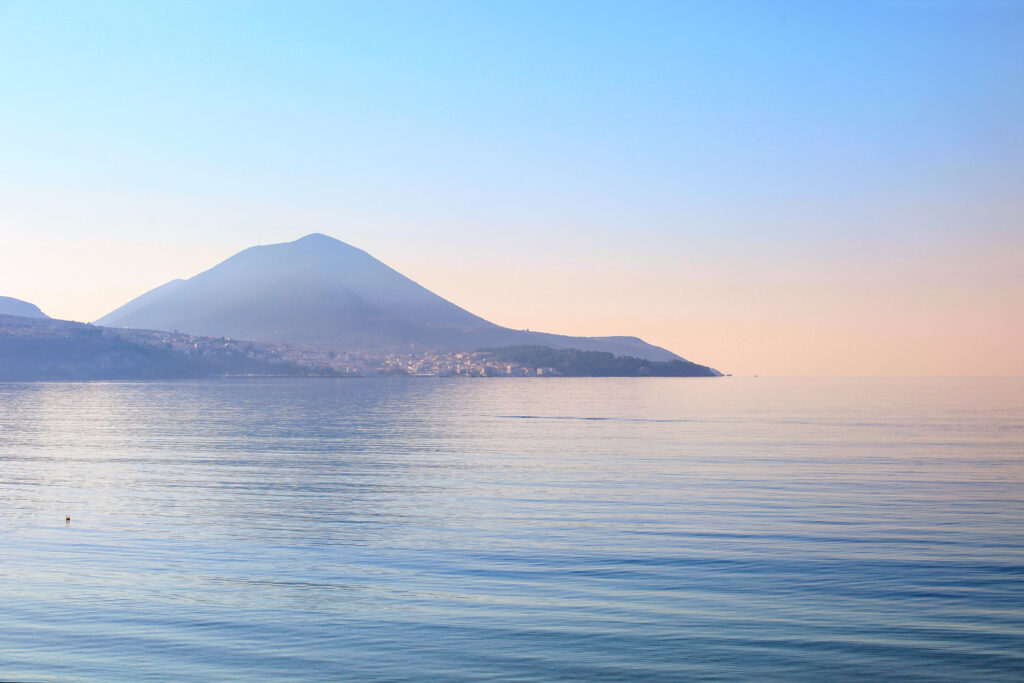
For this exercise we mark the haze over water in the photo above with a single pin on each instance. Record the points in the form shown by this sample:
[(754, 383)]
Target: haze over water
[(590, 529)]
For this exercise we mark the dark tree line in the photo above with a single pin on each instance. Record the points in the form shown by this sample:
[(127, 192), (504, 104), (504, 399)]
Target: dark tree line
[(576, 363)]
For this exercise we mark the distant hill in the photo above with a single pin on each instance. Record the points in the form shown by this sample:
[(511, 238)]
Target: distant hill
[(33, 349), (11, 306), (322, 292)]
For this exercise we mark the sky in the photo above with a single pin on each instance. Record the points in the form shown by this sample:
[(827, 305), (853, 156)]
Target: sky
[(790, 188)]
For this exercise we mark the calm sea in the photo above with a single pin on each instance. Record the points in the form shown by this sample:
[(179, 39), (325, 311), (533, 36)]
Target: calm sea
[(537, 529)]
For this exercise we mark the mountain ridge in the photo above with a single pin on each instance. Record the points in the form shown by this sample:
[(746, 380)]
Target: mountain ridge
[(320, 291)]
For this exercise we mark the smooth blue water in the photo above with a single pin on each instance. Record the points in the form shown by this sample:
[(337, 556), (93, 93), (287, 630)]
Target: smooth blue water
[(589, 529)]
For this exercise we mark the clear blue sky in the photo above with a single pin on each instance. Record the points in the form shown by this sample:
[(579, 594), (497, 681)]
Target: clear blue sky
[(870, 138)]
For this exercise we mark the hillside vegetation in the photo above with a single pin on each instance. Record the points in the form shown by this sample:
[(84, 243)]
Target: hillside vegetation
[(576, 363)]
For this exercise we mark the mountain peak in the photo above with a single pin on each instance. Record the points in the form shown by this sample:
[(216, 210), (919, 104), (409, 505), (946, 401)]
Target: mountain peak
[(315, 243), (319, 240), (318, 237)]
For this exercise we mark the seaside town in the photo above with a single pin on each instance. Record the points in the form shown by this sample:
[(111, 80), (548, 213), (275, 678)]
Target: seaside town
[(335, 362)]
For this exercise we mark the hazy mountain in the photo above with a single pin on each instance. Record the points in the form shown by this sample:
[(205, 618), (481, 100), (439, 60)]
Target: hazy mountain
[(322, 292), (11, 306)]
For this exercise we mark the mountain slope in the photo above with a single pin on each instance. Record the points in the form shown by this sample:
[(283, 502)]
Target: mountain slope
[(40, 349), (11, 306), (322, 292)]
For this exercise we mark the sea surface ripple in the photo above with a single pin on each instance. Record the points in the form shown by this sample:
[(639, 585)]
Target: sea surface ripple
[(513, 529)]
